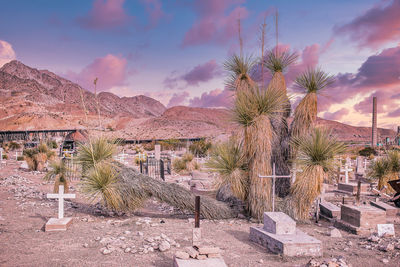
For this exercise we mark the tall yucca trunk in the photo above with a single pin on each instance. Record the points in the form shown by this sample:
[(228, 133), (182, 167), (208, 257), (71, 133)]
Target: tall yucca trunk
[(280, 149), (305, 115), (258, 144), (306, 188)]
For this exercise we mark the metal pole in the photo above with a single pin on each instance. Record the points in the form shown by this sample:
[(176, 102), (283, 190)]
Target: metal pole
[(197, 212), (162, 175), (273, 187)]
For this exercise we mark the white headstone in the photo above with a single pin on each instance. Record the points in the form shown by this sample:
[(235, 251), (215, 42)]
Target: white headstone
[(346, 173), (60, 196), (385, 230), (157, 152), (360, 165)]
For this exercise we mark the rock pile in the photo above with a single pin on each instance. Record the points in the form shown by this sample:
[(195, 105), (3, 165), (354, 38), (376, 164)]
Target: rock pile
[(200, 252), (333, 262)]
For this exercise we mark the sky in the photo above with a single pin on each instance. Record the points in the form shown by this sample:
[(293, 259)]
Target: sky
[(174, 50)]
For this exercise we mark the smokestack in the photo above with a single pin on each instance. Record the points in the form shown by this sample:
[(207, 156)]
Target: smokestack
[(374, 122)]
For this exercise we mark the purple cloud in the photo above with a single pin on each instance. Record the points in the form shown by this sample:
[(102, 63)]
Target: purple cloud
[(214, 98)]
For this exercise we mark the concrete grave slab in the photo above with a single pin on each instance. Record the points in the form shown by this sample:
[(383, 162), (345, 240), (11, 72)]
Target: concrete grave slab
[(351, 188), (292, 245), (329, 210), (385, 230), (279, 223), (207, 262), (56, 224), (390, 210)]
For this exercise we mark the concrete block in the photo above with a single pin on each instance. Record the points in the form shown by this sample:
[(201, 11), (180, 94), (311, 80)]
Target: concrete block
[(292, 245), (207, 262), (352, 188), (385, 230), (390, 210), (55, 224), (279, 223), (363, 216), (329, 210)]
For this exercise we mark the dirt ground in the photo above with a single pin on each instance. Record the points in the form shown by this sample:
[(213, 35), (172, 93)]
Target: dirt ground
[(24, 210)]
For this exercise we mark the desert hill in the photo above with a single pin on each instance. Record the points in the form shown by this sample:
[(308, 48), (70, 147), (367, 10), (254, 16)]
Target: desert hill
[(40, 99)]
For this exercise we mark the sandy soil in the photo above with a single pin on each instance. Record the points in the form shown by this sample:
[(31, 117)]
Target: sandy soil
[(24, 242)]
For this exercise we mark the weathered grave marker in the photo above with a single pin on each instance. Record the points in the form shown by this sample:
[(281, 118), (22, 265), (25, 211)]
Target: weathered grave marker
[(385, 230), (196, 233), (157, 153), (274, 177), (346, 171)]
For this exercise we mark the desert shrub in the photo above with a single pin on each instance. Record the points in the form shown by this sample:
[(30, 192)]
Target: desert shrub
[(186, 163), (5, 156), (14, 146), (52, 144), (20, 158), (368, 151), (170, 144), (149, 146), (36, 158), (200, 148), (110, 128)]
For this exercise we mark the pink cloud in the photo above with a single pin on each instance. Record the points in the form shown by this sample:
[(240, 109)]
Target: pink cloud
[(375, 27), (214, 98), (154, 10), (337, 115), (178, 99), (105, 14), (215, 23), (394, 114), (7, 53), (200, 73), (110, 70)]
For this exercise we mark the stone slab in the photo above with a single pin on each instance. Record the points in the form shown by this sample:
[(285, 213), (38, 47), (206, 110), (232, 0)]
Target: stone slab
[(352, 188), (351, 229), (390, 210), (55, 224), (386, 230), (299, 244), (208, 262), (362, 216), (279, 223), (329, 210)]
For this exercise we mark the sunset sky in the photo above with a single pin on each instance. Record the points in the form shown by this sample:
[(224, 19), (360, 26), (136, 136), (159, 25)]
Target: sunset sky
[(173, 50)]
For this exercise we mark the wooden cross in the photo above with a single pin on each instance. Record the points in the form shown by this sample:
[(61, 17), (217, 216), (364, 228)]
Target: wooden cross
[(61, 197), (294, 170), (365, 163), (274, 176), (346, 172)]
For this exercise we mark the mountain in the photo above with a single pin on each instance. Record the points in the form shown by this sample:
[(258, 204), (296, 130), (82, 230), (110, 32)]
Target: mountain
[(38, 99)]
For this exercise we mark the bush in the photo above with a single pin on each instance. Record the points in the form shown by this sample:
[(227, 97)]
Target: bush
[(170, 144), (149, 146), (14, 146), (20, 158), (36, 158), (186, 163), (200, 148), (368, 151), (52, 144), (5, 156), (110, 128)]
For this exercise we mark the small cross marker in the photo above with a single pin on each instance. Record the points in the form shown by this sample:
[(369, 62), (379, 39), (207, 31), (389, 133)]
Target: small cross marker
[(346, 171), (61, 196)]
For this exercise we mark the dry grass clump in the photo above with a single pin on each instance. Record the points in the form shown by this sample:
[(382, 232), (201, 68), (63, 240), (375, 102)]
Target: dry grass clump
[(185, 164), (36, 158), (124, 189), (56, 172)]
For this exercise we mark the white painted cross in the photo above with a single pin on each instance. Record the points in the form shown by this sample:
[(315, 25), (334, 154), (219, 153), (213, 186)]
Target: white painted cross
[(274, 176), (293, 171), (61, 197), (346, 171), (365, 163)]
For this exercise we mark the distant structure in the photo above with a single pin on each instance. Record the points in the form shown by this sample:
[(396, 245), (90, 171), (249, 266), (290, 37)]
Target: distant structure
[(374, 122), (397, 139)]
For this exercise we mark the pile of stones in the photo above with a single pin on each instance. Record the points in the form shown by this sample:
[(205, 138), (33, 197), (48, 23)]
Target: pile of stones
[(21, 187), (333, 262), (200, 252)]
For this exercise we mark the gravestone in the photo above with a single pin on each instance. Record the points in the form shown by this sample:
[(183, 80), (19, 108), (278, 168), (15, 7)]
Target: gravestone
[(385, 230), (60, 223), (351, 188), (361, 219), (279, 235), (360, 166), (390, 210), (157, 153), (329, 210)]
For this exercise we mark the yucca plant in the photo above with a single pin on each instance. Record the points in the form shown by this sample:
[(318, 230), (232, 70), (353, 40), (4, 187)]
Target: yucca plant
[(311, 82), (385, 169), (239, 68), (253, 111), (316, 156), (277, 63), (57, 172), (123, 189), (228, 160)]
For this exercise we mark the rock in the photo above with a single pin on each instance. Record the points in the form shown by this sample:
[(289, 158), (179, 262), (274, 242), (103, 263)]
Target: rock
[(312, 263), (127, 250), (374, 238), (127, 232), (139, 233), (150, 240), (85, 245), (385, 261), (164, 246), (261, 261), (150, 249), (163, 236), (335, 233), (389, 247), (192, 252), (182, 255), (208, 250), (106, 251), (97, 238), (201, 257)]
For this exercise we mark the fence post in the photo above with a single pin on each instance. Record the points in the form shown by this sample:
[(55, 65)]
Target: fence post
[(162, 175), (147, 166), (141, 165)]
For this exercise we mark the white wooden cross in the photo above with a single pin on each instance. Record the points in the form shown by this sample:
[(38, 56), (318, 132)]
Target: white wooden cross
[(61, 197), (293, 171), (274, 176), (346, 171), (365, 163)]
